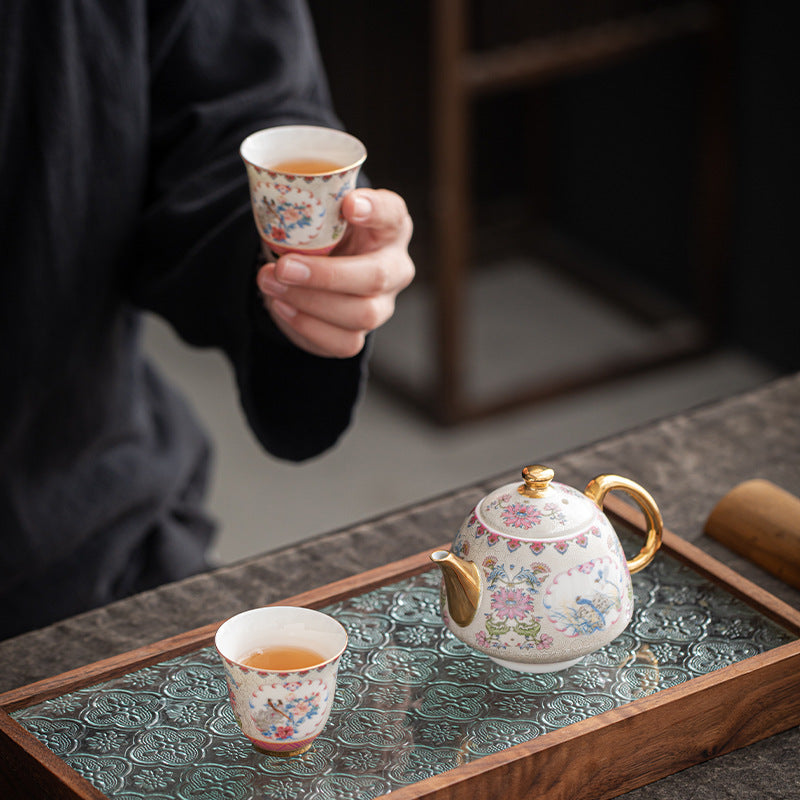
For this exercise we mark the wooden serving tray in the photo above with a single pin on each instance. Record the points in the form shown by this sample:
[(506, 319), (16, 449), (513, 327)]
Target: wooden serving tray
[(601, 756)]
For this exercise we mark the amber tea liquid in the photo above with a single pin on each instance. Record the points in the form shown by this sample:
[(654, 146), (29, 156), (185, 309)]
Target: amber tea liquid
[(307, 166), (283, 658)]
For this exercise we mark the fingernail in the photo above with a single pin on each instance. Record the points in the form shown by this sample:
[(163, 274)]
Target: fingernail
[(283, 310), (292, 271), (362, 208)]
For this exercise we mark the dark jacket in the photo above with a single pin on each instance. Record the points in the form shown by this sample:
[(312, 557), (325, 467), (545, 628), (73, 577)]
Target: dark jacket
[(121, 189)]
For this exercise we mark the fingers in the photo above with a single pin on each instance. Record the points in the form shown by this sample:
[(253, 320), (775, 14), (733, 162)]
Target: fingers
[(371, 259), (379, 210), (328, 304), (314, 335), (349, 311), (368, 274)]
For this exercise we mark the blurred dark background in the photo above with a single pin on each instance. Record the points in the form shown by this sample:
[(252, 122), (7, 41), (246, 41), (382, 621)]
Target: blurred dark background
[(613, 157), (610, 156)]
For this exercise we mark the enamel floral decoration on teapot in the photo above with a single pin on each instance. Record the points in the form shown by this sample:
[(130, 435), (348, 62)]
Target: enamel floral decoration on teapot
[(536, 577)]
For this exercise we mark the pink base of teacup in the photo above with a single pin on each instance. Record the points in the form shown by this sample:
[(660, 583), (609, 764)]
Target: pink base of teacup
[(280, 250), (283, 749)]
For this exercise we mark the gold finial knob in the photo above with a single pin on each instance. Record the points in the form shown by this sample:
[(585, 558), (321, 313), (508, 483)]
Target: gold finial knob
[(537, 478)]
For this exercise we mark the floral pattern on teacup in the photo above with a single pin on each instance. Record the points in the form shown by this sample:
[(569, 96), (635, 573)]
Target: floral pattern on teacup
[(288, 214), (290, 710), (300, 212)]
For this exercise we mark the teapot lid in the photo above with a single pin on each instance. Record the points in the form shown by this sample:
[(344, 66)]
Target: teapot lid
[(538, 508)]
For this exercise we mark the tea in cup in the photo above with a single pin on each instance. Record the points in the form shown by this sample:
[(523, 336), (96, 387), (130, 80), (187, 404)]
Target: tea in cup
[(281, 664), (298, 176)]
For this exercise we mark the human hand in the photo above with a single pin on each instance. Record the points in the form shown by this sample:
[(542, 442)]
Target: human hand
[(328, 304)]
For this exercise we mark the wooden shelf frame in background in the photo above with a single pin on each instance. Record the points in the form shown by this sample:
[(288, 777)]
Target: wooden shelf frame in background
[(459, 77)]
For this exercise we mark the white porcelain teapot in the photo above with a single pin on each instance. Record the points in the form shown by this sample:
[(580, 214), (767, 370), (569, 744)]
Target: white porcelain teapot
[(536, 577)]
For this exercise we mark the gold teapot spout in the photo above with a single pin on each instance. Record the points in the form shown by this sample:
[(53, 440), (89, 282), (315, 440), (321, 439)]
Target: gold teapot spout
[(462, 584)]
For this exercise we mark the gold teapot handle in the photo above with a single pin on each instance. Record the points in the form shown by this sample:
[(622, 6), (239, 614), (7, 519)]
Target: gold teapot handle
[(603, 484)]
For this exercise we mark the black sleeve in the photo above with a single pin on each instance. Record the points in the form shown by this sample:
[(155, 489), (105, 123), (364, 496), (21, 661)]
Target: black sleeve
[(218, 72)]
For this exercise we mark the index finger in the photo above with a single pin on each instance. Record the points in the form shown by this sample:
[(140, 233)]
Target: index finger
[(366, 274)]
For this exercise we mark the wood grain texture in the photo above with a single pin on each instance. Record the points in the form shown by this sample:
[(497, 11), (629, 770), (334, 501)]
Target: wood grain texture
[(28, 770), (761, 522), (577, 51), (707, 566)]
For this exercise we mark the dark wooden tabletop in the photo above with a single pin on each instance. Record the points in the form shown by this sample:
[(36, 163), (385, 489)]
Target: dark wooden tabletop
[(688, 462)]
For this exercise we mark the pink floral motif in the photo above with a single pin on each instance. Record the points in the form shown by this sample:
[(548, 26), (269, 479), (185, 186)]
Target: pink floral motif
[(513, 544), (511, 604), (302, 707), (536, 547), (562, 546), (544, 642), (520, 515), (277, 233), (493, 538), (482, 639), (461, 548), (284, 732)]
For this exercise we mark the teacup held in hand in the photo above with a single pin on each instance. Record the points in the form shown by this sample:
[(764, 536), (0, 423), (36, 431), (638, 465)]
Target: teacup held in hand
[(298, 176)]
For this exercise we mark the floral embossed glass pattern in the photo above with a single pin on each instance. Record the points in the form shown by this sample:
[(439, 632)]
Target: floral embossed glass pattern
[(412, 700)]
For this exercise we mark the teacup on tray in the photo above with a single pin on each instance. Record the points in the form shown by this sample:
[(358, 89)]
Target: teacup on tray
[(281, 664)]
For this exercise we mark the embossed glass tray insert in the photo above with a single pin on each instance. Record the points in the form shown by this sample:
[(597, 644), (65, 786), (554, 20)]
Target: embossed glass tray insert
[(412, 701)]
